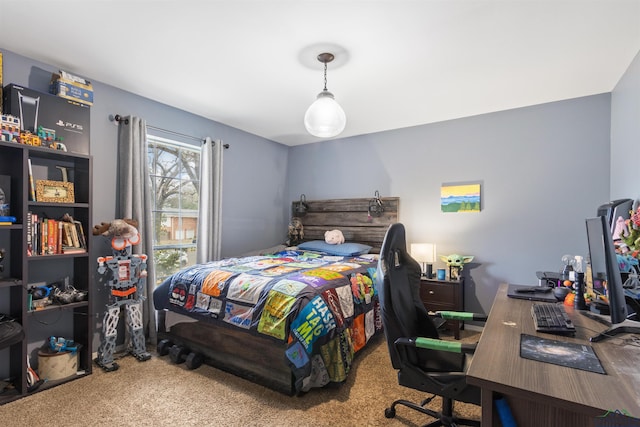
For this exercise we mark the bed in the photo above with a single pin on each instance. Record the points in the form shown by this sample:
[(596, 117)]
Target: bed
[(291, 320)]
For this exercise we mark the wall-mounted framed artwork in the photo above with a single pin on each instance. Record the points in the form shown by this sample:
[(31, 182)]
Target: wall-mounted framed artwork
[(460, 197)]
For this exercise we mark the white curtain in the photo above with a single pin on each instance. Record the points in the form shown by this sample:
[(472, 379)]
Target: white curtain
[(134, 201), (209, 239)]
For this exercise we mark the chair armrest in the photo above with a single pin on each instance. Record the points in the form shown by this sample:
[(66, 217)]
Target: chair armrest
[(435, 344), (460, 315)]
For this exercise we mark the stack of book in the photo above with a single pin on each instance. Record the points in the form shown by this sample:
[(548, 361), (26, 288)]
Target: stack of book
[(46, 236), (7, 220)]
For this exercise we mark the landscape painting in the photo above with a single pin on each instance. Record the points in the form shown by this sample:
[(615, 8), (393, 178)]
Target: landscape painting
[(460, 198)]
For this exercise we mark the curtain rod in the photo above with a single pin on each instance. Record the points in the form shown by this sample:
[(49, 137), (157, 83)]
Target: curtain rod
[(118, 117)]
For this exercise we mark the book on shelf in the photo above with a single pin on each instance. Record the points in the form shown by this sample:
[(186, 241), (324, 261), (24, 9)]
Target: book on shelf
[(81, 237), (59, 238), (29, 233), (47, 236), (73, 232), (67, 240), (74, 235), (32, 233), (32, 188), (52, 237), (44, 236), (74, 238), (73, 250)]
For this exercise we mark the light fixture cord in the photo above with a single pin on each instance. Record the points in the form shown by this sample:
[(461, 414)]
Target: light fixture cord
[(325, 75)]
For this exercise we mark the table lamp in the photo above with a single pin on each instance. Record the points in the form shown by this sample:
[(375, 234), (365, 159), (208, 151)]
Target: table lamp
[(424, 253)]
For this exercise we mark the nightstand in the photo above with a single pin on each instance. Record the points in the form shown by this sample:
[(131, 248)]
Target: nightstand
[(444, 295)]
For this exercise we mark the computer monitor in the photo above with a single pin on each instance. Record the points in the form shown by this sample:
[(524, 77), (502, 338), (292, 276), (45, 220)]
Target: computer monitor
[(604, 269), (614, 210)]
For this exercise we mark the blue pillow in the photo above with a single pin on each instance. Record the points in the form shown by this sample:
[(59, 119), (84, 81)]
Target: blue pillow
[(343, 249)]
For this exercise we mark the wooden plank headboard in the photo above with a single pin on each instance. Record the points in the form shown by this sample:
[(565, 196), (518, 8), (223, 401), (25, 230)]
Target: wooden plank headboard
[(351, 217)]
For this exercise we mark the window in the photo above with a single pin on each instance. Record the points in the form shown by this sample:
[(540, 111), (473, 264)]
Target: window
[(175, 170)]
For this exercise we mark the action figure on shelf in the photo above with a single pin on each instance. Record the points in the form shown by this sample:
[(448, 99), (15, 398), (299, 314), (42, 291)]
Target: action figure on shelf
[(127, 283)]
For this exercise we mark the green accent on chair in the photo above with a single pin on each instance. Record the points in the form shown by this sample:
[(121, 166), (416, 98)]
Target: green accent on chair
[(455, 315), (433, 344)]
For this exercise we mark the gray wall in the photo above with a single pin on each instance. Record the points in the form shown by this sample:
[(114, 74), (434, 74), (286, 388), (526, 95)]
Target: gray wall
[(625, 134), (543, 170)]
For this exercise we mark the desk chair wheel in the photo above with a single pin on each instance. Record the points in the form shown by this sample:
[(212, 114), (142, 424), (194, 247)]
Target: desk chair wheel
[(390, 412)]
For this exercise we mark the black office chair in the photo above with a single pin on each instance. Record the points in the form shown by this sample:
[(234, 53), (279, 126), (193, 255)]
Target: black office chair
[(423, 361)]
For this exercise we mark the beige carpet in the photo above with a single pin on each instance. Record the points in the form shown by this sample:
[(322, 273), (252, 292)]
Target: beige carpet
[(157, 392)]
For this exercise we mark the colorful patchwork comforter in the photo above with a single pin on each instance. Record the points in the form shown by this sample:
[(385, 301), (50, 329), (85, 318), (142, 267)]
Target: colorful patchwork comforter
[(322, 308)]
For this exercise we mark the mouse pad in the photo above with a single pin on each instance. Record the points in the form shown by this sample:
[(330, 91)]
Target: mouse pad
[(571, 355)]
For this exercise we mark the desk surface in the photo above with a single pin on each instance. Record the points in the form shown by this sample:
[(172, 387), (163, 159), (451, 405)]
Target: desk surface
[(497, 366)]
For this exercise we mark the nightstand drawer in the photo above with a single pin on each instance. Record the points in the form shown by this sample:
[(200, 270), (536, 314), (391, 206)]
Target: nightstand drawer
[(433, 293)]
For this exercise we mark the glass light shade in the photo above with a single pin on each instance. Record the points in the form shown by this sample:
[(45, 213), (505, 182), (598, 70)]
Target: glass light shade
[(325, 118)]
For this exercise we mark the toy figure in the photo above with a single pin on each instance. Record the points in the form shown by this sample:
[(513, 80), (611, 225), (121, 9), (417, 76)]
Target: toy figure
[(456, 263), (296, 232), (128, 281), (59, 345), (9, 128), (334, 237)]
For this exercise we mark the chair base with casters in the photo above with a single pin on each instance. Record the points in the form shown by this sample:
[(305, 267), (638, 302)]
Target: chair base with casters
[(452, 385), (443, 418)]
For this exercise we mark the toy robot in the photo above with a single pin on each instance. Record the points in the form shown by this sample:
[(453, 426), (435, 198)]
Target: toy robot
[(127, 282)]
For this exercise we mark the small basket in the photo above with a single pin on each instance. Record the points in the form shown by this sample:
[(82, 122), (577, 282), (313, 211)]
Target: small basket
[(56, 366)]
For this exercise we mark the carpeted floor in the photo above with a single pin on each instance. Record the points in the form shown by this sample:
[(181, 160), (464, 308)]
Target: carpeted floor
[(157, 392)]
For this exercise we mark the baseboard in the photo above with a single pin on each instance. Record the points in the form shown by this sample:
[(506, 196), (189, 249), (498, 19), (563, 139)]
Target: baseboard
[(476, 328)]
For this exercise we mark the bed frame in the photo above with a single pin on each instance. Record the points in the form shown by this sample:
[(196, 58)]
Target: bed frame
[(225, 347), (351, 216)]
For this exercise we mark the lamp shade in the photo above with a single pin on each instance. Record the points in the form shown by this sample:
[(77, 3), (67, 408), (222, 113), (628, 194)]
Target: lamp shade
[(325, 118), (424, 252)]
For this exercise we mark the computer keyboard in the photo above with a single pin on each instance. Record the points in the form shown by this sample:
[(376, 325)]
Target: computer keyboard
[(552, 318)]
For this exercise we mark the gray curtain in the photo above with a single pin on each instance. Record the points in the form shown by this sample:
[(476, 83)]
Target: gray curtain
[(134, 201), (209, 239)]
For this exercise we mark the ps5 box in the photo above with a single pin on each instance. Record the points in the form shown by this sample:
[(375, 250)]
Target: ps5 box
[(69, 119)]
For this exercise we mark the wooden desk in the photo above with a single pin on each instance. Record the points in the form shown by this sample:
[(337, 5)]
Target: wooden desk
[(543, 394)]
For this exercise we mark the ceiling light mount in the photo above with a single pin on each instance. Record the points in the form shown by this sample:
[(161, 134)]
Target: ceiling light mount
[(325, 118), (325, 58)]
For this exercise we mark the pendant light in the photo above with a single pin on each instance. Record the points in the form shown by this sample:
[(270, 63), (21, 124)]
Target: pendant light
[(325, 118)]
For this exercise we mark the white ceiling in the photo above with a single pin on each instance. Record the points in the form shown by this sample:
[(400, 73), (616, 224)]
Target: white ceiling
[(251, 64)]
